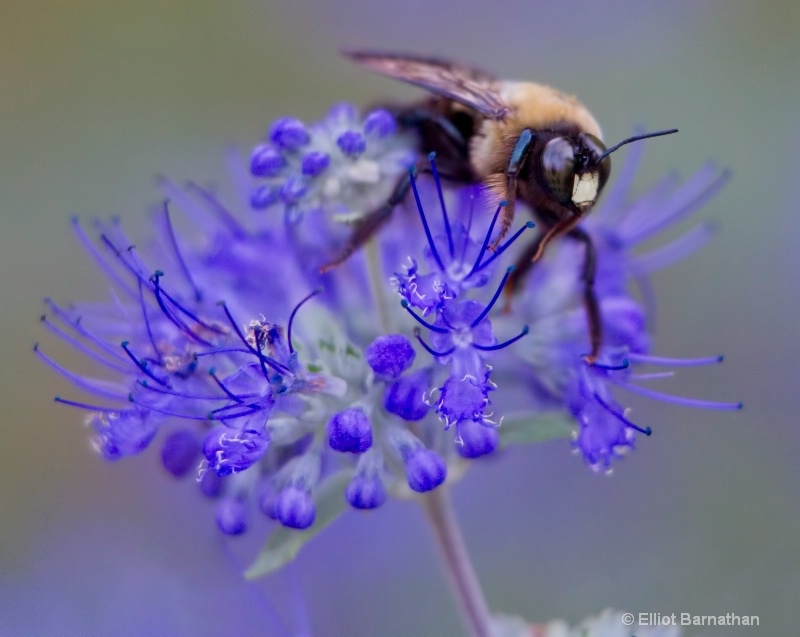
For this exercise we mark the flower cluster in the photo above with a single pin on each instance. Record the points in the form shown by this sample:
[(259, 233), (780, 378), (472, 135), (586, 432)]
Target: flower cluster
[(296, 393)]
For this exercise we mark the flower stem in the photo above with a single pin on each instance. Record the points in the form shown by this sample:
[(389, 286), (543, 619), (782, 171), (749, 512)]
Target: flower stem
[(376, 283), (465, 585)]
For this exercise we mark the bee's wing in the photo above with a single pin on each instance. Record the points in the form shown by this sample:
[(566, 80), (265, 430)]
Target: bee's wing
[(470, 87)]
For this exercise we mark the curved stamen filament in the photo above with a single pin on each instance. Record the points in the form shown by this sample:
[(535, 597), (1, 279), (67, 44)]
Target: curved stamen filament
[(142, 366), (450, 247), (429, 349), (486, 310), (292, 315), (505, 245), (422, 321), (424, 220), (646, 430), (487, 238), (492, 348)]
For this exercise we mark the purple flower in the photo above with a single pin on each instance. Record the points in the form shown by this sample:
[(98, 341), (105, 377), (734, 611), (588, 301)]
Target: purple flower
[(299, 394)]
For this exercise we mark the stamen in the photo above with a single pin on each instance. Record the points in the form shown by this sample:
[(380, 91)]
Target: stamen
[(422, 321), (72, 403), (80, 329), (262, 359), (483, 314), (81, 347), (686, 402), (95, 386), (118, 253), (646, 431), (654, 376), (428, 348), (612, 368), (147, 323), (142, 366), (229, 350), (174, 319), (424, 220), (492, 348), (488, 236), (236, 229), (186, 311), (198, 296), (432, 158), (94, 253), (294, 311), (507, 244), (240, 414), (675, 362), (231, 395), (166, 412), (173, 392)]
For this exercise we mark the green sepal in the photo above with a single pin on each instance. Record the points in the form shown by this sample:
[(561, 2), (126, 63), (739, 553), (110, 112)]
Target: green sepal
[(283, 544)]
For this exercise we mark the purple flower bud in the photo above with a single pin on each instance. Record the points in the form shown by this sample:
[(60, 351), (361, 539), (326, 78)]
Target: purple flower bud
[(266, 161), (365, 492), (352, 143), (404, 397), (350, 430), (180, 452), (121, 434), (344, 112), (315, 162), (479, 439), (295, 508), (380, 123), (232, 450), (289, 133), (264, 196), (425, 470), (390, 355), (293, 190), (211, 484), (232, 516)]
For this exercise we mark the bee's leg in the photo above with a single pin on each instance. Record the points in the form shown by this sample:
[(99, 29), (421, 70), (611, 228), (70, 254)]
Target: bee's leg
[(553, 228), (515, 163), (521, 268), (366, 228), (420, 116), (589, 297)]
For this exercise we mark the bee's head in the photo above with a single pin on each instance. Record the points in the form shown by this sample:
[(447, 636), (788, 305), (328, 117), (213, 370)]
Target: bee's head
[(575, 170), (576, 167)]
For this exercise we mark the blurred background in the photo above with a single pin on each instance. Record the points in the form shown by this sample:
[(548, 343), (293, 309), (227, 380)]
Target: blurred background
[(97, 98)]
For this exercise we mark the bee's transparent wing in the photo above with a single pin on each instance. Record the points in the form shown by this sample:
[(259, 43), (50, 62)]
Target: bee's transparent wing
[(470, 87)]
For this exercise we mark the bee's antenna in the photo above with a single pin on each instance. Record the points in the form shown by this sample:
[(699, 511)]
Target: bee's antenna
[(635, 138)]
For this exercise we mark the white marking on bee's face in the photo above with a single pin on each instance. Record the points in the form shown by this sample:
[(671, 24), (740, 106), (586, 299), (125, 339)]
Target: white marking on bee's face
[(584, 189)]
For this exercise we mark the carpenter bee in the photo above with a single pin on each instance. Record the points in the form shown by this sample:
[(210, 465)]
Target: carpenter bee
[(522, 140)]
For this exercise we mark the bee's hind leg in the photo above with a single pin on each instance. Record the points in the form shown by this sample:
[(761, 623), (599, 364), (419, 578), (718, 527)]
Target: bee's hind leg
[(366, 228)]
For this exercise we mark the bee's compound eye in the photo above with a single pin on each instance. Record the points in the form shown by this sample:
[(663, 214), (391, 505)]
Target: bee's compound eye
[(558, 168)]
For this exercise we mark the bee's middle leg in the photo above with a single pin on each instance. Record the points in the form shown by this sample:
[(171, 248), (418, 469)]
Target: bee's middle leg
[(589, 297)]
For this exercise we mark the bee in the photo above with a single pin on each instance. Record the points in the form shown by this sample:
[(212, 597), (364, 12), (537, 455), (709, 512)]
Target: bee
[(522, 140)]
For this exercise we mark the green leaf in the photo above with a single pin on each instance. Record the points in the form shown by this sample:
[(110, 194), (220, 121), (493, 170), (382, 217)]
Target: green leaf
[(283, 544), (523, 428)]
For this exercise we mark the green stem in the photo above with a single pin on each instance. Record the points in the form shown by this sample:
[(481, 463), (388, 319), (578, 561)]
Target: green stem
[(465, 585), (377, 284)]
